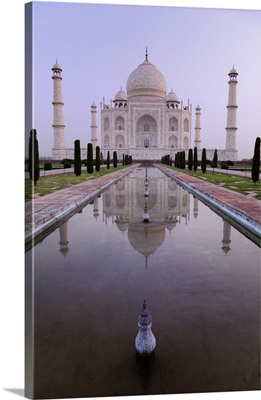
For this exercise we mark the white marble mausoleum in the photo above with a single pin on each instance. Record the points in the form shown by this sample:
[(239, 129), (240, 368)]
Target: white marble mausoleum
[(146, 121)]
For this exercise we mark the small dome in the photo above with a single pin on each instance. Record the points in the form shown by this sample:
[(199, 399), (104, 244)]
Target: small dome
[(171, 96), (233, 71), (57, 66), (146, 81), (120, 96)]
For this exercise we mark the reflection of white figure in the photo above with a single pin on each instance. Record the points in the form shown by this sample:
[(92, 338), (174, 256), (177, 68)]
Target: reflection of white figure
[(145, 341)]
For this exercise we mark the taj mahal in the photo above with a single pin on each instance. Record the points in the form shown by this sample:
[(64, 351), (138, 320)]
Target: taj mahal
[(145, 122)]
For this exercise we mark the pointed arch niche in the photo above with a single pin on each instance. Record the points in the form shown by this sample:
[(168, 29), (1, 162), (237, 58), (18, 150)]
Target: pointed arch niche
[(173, 124), (119, 124), (106, 124), (146, 131)]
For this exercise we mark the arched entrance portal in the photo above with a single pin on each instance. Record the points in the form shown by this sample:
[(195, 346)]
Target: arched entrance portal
[(146, 132)]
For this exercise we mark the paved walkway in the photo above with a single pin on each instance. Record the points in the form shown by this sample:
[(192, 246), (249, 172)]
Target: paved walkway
[(246, 210), (43, 212)]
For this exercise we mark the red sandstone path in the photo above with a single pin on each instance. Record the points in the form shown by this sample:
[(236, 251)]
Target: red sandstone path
[(245, 205), (43, 212)]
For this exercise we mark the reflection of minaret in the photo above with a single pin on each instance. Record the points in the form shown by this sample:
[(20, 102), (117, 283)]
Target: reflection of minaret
[(197, 128), (226, 237), (63, 239), (58, 151), (195, 209), (96, 208)]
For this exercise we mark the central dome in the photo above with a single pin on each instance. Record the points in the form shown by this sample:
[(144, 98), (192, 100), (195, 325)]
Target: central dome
[(146, 81)]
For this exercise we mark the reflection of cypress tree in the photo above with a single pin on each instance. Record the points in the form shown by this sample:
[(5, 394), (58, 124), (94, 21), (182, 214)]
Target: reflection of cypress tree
[(89, 159), (256, 161), (77, 158), (108, 160), (33, 164), (204, 161), (190, 159), (195, 159), (97, 159)]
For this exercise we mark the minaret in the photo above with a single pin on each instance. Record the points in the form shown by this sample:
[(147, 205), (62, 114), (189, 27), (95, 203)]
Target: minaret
[(94, 138), (58, 151), (197, 128), (231, 129)]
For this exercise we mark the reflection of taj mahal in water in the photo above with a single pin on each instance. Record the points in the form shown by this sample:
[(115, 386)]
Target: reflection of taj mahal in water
[(123, 205)]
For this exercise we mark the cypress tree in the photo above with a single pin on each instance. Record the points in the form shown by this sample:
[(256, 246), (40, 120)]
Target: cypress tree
[(178, 159), (115, 161), (256, 161), (204, 161), (77, 158), (97, 159), (215, 159), (184, 160), (108, 160), (190, 159), (195, 163), (89, 159), (33, 164), (123, 159)]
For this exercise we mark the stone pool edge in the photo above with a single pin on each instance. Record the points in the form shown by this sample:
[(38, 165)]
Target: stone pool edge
[(241, 218)]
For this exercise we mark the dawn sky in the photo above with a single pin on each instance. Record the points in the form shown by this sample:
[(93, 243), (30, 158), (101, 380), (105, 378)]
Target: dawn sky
[(99, 45), (180, 69)]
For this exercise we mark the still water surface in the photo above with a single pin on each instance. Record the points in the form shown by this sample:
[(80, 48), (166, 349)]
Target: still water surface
[(199, 276)]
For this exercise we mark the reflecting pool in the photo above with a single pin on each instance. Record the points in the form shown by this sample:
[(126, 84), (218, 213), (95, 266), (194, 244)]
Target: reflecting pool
[(200, 278)]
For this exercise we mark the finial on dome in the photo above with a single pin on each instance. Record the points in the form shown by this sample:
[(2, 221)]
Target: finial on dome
[(146, 54)]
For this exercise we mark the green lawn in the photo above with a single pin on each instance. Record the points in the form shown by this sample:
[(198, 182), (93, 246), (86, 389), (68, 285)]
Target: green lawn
[(237, 183), (50, 184)]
